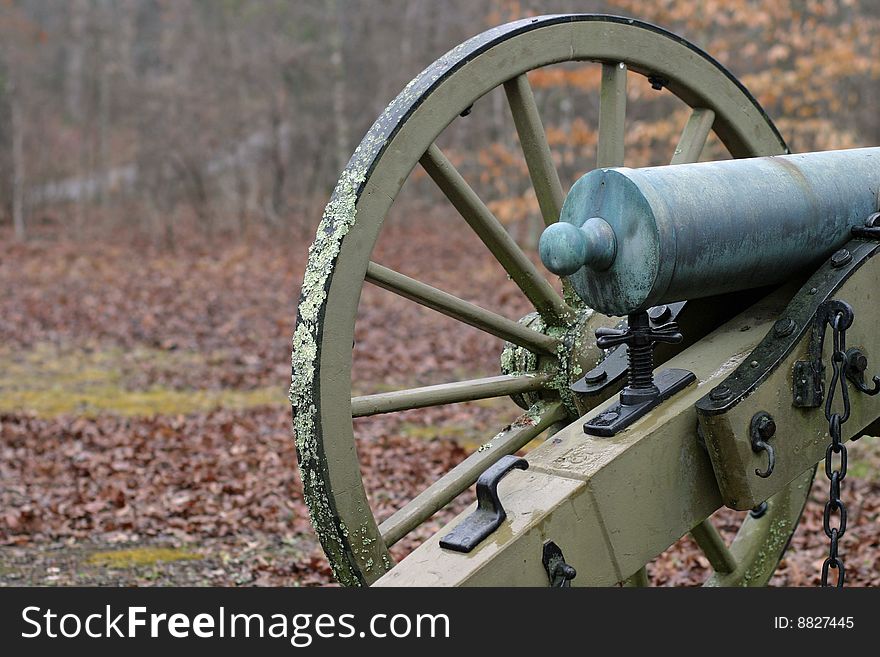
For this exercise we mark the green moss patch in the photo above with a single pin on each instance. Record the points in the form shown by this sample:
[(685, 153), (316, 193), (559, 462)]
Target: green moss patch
[(145, 556), (89, 381)]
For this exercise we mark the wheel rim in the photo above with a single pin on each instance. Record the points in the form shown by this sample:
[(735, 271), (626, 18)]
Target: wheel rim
[(339, 260)]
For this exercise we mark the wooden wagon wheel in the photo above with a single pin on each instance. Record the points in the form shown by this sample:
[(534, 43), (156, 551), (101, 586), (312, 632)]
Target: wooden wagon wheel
[(558, 339)]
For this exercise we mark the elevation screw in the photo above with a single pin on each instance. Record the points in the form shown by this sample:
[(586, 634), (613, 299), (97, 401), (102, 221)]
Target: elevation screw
[(639, 337)]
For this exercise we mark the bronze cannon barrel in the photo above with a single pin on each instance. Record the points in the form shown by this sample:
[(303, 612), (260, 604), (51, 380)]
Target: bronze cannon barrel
[(629, 239)]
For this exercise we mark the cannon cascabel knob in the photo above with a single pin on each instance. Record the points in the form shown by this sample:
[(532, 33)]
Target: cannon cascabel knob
[(564, 248)]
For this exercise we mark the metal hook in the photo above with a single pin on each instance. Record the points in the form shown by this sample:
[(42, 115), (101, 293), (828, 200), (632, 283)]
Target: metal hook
[(559, 573), (762, 428), (759, 445), (856, 364), (869, 391)]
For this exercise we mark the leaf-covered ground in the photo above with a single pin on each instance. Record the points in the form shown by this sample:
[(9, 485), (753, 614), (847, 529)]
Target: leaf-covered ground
[(145, 436)]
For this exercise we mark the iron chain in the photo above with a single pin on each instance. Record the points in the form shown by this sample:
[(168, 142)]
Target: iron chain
[(834, 506)]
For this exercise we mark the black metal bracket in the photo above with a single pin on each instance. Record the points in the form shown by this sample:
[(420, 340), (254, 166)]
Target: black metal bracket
[(489, 513), (620, 416), (609, 372), (872, 233), (657, 82), (808, 390), (871, 229), (559, 573), (802, 311), (761, 429), (809, 375)]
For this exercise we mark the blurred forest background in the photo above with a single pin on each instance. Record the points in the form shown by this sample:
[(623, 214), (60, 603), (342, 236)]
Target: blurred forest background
[(163, 167), (235, 116)]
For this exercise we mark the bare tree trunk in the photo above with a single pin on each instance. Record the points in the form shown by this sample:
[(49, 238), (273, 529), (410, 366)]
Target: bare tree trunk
[(337, 61), (73, 96), (102, 129), (200, 199), (17, 162), (124, 22), (280, 154), (73, 89)]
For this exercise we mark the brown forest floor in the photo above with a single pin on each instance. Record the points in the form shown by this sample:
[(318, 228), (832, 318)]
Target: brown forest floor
[(145, 436)]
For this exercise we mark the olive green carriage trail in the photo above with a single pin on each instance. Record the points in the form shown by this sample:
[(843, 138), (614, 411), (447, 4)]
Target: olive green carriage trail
[(618, 479)]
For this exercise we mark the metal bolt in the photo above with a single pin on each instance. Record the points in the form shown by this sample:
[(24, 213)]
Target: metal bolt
[(784, 327), (873, 221), (860, 363), (595, 376), (657, 82), (759, 510), (720, 393), (659, 313), (566, 572), (754, 363), (766, 427), (856, 361), (841, 258), (813, 290)]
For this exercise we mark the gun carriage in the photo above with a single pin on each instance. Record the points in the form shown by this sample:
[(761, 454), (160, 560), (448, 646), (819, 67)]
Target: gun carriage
[(749, 282)]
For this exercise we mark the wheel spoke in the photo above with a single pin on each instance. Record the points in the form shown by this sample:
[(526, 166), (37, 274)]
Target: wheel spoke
[(487, 227), (612, 115), (463, 475), (461, 310), (542, 170), (447, 393), (694, 136), (713, 546)]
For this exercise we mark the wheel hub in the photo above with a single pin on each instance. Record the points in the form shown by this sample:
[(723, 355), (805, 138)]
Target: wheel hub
[(577, 353)]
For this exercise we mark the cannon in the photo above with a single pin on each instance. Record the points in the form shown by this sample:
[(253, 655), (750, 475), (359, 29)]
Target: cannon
[(657, 235), (715, 343)]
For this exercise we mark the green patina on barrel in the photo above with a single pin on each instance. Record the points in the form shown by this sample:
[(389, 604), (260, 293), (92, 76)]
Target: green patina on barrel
[(693, 230)]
